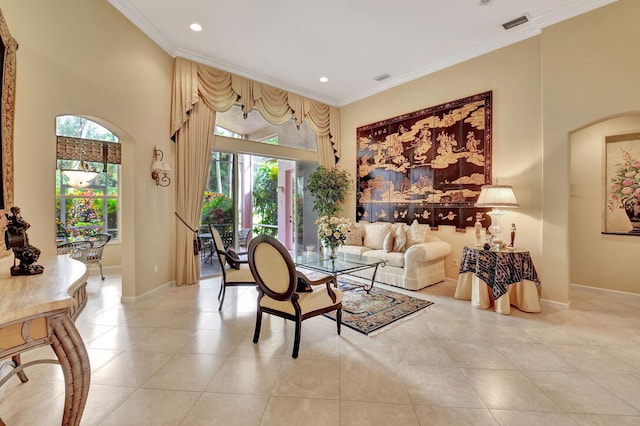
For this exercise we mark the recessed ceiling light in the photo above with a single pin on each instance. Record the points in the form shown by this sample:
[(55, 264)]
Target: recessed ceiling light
[(323, 79), (195, 27)]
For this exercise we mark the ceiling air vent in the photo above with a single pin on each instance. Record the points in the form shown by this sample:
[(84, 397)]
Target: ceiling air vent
[(515, 22), (381, 77)]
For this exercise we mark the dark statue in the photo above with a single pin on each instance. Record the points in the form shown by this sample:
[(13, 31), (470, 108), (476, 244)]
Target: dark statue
[(16, 239)]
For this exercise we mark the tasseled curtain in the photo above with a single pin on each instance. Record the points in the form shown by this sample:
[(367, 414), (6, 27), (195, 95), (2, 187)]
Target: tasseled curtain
[(192, 126)]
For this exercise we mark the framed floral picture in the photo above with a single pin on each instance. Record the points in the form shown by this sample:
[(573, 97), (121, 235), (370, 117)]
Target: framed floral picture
[(622, 184)]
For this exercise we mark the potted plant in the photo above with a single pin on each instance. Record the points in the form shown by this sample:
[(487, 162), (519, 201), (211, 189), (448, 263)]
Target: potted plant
[(329, 186)]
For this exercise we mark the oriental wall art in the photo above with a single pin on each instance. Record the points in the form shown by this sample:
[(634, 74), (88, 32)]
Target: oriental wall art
[(428, 165), (622, 184)]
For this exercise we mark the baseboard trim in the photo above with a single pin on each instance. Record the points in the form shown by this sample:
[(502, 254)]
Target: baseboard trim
[(134, 299), (609, 290), (563, 305)]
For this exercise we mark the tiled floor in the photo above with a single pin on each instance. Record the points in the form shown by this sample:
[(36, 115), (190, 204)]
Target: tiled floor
[(173, 359)]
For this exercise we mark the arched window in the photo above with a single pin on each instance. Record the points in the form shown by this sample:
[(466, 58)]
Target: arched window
[(87, 179)]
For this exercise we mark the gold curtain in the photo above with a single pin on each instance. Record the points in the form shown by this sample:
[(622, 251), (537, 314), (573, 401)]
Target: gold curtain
[(192, 124)]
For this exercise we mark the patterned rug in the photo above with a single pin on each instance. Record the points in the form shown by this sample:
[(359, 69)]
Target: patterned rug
[(370, 312)]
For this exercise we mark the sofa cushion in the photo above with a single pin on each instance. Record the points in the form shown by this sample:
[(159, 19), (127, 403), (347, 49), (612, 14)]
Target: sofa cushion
[(387, 245), (417, 233), (375, 233), (355, 236), (400, 240), (392, 259), (354, 249)]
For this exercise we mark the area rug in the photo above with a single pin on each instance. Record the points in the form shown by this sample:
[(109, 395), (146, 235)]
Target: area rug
[(369, 312)]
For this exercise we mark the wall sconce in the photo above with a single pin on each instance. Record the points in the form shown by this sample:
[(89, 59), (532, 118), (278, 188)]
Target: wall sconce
[(159, 170), (496, 197)]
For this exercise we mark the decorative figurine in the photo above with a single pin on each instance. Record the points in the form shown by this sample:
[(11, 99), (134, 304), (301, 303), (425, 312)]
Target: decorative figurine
[(478, 228), (513, 234), (15, 238)]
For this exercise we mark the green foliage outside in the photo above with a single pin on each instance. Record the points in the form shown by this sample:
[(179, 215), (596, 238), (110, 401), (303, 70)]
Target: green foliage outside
[(84, 212), (329, 187), (265, 197), (216, 208)]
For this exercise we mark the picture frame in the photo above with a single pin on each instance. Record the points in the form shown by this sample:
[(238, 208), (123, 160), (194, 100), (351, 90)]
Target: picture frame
[(621, 185), (8, 51)]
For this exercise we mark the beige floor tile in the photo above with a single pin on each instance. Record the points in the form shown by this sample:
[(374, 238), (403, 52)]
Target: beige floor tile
[(448, 416), (100, 357), (475, 355), (308, 379), (439, 386), (153, 407), (449, 365), (213, 342), (229, 410), (130, 368), (377, 414), (531, 356), (578, 393), (605, 420), (591, 359), (164, 340), (37, 402), (528, 418), (102, 401), (282, 411), (624, 386), (250, 376), (119, 338), (373, 382), (508, 390), (189, 372)]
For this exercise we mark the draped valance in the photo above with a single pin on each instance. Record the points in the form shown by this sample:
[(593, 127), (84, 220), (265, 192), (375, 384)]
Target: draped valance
[(220, 90)]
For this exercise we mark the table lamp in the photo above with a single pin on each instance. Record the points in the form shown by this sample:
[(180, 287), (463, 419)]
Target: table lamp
[(497, 197)]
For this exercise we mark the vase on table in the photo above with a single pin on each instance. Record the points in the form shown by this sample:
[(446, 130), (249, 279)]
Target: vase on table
[(332, 252), (632, 209)]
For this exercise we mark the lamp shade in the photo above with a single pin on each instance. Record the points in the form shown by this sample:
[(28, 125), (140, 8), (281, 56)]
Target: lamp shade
[(500, 196), (157, 167)]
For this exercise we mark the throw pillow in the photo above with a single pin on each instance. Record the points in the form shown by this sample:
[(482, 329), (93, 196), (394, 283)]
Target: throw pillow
[(387, 245), (417, 233), (374, 235), (354, 236), (233, 259), (400, 240)]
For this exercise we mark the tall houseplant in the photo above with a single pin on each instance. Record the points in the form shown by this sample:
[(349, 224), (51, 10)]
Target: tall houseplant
[(329, 187)]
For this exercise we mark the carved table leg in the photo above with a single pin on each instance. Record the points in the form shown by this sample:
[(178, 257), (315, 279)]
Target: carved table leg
[(21, 375), (72, 354)]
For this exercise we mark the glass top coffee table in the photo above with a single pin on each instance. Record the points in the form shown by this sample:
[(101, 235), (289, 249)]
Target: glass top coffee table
[(344, 263)]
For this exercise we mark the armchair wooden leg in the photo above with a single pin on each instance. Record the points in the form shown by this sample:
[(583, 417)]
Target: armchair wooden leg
[(223, 289), (338, 319), (256, 333), (101, 274), (296, 340)]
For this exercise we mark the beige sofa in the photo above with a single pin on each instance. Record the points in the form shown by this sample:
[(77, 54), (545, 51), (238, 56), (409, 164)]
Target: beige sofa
[(414, 257)]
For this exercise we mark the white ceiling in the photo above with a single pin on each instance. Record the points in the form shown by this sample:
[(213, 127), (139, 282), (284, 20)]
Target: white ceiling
[(290, 44)]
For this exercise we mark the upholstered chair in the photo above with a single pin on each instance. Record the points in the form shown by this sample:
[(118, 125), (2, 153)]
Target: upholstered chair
[(277, 277), (231, 277)]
